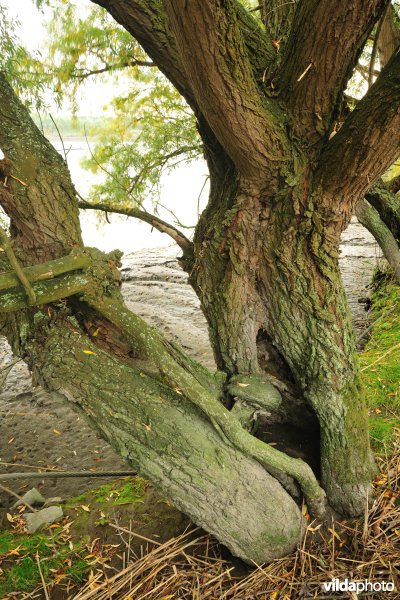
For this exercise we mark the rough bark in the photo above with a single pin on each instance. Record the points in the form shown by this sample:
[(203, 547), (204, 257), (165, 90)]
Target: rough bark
[(224, 84), (265, 266), (387, 203), (274, 300), (172, 443), (319, 57), (46, 180), (389, 39), (277, 16), (366, 145)]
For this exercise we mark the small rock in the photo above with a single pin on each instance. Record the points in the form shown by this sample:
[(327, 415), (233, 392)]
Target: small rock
[(53, 501), (33, 497), (46, 516)]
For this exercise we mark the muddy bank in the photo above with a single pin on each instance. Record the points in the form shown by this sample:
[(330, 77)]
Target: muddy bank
[(38, 430)]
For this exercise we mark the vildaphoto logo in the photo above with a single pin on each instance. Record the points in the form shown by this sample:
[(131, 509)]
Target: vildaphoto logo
[(347, 585)]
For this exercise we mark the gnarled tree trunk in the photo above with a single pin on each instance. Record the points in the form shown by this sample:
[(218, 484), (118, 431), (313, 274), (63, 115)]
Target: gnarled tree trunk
[(264, 264)]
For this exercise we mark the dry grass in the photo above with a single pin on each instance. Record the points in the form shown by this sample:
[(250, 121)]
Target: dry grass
[(191, 566)]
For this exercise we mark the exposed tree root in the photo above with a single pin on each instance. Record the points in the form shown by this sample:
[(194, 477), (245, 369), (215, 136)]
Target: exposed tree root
[(97, 284)]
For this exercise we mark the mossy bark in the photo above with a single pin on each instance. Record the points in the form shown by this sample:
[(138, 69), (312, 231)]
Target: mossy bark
[(171, 442), (271, 290), (265, 266)]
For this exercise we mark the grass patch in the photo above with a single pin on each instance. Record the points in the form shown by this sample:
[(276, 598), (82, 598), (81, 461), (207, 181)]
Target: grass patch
[(19, 570), (66, 552), (130, 490), (380, 364)]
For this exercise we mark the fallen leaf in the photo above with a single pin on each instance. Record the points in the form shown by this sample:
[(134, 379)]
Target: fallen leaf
[(84, 507), (15, 551), (88, 352), (56, 431), (243, 384)]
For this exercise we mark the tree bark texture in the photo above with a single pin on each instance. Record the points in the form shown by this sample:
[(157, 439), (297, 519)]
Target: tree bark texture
[(264, 264)]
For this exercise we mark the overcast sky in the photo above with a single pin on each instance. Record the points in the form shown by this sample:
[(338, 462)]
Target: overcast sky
[(94, 95)]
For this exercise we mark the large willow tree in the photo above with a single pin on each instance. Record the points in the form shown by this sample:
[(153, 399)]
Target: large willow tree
[(288, 166)]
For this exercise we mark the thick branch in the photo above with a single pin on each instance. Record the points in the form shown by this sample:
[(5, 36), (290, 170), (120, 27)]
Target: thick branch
[(39, 191), (374, 53), (389, 39), (152, 220), (369, 217), (213, 52), (320, 55), (385, 201), (146, 22), (368, 142), (14, 262)]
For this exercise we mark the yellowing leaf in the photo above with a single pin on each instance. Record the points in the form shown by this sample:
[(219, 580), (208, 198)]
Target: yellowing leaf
[(56, 431), (96, 333), (88, 352), (335, 534), (10, 518)]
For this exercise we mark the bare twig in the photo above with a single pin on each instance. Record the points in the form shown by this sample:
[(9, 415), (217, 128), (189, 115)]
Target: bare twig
[(62, 474), (46, 593), (133, 534), (60, 136), (381, 357), (8, 491), (138, 213)]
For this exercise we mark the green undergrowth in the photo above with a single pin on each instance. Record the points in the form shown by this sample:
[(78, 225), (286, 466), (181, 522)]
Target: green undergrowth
[(380, 364), (18, 559), (129, 491), (65, 549), (86, 540)]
